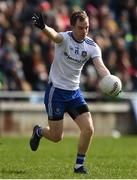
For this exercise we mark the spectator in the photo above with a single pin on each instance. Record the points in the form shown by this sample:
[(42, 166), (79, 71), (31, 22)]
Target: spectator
[(112, 25)]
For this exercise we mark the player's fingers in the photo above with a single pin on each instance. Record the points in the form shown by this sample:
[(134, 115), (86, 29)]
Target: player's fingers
[(35, 22), (40, 15), (34, 19), (36, 15)]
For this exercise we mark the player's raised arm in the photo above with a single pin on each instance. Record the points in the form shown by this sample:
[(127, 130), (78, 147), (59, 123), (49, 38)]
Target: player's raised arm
[(100, 67), (50, 32)]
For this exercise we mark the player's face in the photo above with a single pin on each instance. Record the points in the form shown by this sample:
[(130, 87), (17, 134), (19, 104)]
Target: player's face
[(80, 30)]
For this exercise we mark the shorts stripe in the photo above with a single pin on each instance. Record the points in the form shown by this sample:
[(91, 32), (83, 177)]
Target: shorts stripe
[(50, 101)]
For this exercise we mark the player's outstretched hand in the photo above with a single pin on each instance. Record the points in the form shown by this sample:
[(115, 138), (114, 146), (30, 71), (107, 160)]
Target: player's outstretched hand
[(38, 20)]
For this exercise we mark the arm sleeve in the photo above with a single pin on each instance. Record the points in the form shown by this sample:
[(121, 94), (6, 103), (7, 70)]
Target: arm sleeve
[(64, 35), (96, 52)]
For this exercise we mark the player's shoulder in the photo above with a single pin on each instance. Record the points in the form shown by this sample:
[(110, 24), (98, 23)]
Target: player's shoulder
[(90, 41), (92, 46), (66, 33), (69, 33)]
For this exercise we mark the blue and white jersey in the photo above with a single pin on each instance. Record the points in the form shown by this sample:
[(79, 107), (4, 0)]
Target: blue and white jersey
[(70, 57)]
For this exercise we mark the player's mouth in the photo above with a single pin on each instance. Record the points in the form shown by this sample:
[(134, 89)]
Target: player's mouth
[(83, 35)]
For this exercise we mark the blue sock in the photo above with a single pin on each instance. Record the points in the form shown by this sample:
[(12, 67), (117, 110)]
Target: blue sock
[(80, 160), (39, 132)]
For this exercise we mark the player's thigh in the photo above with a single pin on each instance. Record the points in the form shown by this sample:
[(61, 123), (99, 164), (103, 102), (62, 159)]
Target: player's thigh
[(56, 127), (53, 103), (85, 122)]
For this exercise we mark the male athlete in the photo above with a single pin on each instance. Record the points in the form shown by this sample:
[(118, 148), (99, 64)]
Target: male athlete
[(72, 50)]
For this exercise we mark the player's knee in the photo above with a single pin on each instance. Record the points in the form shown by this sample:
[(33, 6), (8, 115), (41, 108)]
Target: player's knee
[(89, 131), (57, 138), (92, 130)]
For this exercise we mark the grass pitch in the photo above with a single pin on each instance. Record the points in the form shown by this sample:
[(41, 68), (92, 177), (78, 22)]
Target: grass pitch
[(107, 158)]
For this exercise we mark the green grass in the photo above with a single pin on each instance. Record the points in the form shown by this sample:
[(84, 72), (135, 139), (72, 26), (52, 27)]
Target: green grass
[(107, 158)]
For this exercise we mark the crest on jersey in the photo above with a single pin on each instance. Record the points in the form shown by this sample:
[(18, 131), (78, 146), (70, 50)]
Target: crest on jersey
[(84, 53)]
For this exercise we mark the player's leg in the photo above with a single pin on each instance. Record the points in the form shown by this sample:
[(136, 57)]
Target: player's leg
[(80, 114), (55, 111), (85, 124), (54, 132)]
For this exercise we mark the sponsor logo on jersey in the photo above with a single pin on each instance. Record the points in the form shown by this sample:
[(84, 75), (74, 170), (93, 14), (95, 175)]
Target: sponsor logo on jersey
[(81, 61)]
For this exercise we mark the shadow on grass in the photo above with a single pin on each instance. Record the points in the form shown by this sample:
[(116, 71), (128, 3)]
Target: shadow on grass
[(12, 171)]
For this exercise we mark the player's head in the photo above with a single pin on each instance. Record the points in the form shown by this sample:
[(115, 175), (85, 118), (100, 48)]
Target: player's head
[(80, 24)]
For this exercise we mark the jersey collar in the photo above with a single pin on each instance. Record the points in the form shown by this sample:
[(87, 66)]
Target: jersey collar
[(75, 39)]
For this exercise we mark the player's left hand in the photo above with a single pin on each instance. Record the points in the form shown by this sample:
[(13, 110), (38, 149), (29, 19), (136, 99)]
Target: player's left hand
[(38, 20)]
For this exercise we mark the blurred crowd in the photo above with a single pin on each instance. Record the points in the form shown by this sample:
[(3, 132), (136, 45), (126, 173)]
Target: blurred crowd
[(26, 53)]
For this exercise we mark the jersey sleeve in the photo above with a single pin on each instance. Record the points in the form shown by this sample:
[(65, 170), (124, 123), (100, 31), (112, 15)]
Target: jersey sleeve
[(96, 52), (64, 35)]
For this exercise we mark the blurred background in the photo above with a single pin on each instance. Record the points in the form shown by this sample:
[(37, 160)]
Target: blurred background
[(26, 55)]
